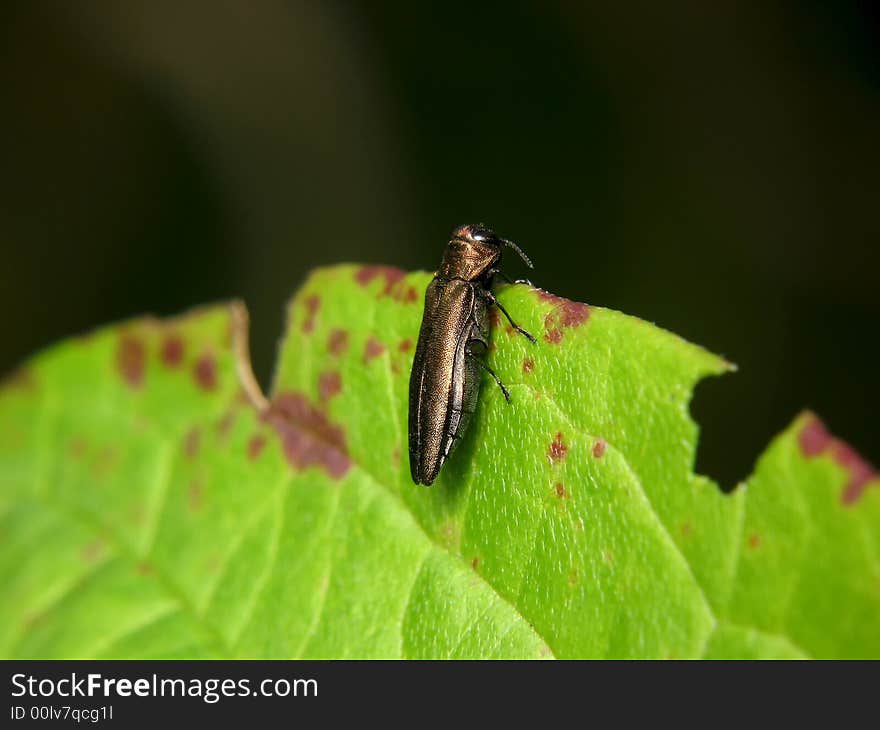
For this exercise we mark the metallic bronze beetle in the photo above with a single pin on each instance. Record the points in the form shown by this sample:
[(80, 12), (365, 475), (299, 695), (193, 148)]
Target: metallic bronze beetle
[(453, 341)]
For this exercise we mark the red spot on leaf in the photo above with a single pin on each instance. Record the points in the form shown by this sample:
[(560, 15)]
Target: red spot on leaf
[(475, 563), (195, 495), (329, 384), (144, 568), (861, 473), (78, 447), (205, 372), (599, 448), (307, 436), (191, 442), (754, 541), (405, 345), (565, 314), (558, 449), (392, 287), (373, 348), (92, 551), (814, 439), (255, 446), (573, 577), (312, 304), (337, 343), (528, 365), (395, 456), (224, 425), (172, 351), (687, 529), (131, 359), (560, 491)]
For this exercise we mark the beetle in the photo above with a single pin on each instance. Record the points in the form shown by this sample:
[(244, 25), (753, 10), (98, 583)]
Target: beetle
[(453, 340)]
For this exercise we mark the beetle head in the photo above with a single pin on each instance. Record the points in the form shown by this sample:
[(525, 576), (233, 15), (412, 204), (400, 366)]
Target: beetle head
[(472, 250)]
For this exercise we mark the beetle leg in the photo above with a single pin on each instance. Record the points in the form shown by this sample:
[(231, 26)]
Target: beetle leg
[(492, 299), (489, 370), (494, 377), (499, 272)]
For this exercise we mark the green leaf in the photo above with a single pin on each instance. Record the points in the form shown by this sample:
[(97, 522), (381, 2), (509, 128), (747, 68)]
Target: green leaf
[(147, 510)]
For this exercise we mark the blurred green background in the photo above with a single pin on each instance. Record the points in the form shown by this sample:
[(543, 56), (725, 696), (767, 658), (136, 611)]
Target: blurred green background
[(711, 167)]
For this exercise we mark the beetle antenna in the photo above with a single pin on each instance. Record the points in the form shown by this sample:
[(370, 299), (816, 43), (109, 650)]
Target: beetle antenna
[(510, 244)]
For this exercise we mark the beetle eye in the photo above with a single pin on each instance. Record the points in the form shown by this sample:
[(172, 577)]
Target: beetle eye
[(474, 232), (481, 233)]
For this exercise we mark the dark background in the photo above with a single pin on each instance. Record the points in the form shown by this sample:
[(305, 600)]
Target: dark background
[(711, 167)]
